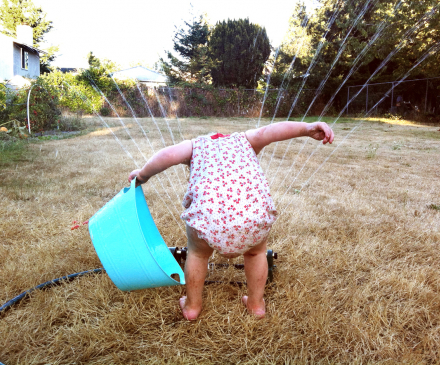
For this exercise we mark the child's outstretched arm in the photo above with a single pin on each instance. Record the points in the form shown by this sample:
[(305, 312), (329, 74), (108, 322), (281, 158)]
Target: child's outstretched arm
[(261, 137), (161, 160)]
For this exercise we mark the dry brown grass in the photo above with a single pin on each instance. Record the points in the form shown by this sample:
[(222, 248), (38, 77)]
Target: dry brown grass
[(358, 271)]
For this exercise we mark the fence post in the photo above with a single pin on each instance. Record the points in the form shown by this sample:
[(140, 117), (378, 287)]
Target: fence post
[(426, 96), (366, 105), (238, 98), (392, 96)]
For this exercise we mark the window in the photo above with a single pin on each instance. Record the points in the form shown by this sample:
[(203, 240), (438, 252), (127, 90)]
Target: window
[(24, 59)]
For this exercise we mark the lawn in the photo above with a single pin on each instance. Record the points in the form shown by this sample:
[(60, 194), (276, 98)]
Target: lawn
[(357, 278)]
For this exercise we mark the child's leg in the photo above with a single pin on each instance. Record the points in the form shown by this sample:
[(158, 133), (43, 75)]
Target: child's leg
[(255, 267), (196, 267)]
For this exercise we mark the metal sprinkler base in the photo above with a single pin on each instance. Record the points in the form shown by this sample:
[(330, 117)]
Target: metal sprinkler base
[(180, 255)]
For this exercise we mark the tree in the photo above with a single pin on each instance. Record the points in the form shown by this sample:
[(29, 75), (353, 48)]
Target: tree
[(296, 46), (238, 51), (99, 73), (354, 33), (17, 12), (190, 42)]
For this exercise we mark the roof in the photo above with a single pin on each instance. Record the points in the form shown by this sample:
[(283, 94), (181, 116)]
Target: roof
[(141, 74), (29, 48), (18, 82), (69, 69)]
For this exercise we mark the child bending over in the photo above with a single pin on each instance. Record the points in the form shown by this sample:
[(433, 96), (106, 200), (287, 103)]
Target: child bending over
[(228, 205)]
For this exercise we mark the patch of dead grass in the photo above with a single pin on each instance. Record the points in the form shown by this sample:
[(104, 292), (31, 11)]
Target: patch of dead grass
[(357, 278)]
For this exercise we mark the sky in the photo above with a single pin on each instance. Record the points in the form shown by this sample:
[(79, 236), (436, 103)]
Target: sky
[(132, 31)]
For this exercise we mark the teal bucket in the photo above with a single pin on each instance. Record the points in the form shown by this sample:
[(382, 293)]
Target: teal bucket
[(129, 245)]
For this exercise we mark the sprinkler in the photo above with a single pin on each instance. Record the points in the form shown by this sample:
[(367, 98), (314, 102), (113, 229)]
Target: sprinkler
[(180, 255)]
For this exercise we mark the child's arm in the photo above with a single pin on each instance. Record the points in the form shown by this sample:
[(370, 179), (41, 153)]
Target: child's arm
[(161, 160), (261, 137)]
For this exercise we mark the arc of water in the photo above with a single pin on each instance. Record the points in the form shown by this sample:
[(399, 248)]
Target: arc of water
[(151, 114), (177, 117), (401, 44), (311, 66), (84, 98), (149, 142), (129, 134), (384, 62), (253, 53), (282, 87), (160, 133), (131, 109), (98, 90), (267, 85), (157, 127), (318, 91), (321, 86), (432, 50), (314, 59), (164, 114)]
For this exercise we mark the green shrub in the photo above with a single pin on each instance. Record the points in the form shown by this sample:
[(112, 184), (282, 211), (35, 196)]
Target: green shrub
[(105, 112), (44, 113), (71, 124)]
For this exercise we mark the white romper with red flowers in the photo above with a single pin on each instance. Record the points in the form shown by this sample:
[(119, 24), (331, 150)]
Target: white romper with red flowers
[(228, 200)]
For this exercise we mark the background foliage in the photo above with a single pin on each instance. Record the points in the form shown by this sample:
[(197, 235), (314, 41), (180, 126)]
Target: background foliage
[(306, 36), (230, 54)]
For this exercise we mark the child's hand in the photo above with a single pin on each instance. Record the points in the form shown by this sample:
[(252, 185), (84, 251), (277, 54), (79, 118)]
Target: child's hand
[(321, 132), (136, 174)]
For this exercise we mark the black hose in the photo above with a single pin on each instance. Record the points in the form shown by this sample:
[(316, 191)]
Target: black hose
[(47, 284)]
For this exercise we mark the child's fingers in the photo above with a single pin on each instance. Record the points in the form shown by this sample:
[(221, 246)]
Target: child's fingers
[(328, 138)]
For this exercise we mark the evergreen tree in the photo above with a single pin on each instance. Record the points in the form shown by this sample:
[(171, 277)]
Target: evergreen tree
[(296, 46), (190, 43), (99, 72), (17, 12), (238, 51), (397, 17)]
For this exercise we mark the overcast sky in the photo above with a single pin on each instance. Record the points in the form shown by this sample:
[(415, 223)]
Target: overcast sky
[(140, 30)]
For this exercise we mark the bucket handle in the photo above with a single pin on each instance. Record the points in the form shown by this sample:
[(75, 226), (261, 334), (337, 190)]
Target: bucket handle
[(133, 184)]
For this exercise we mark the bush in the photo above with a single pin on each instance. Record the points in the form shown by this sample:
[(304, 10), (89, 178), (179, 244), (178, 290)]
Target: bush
[(44, 113), (71, 124), (74, 92), (105, 112)]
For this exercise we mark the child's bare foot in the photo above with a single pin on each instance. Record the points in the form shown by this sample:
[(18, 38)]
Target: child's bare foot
[(190, 314), (259, 311)]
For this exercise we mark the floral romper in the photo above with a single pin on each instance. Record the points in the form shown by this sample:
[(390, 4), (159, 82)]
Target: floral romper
[(228, 201)]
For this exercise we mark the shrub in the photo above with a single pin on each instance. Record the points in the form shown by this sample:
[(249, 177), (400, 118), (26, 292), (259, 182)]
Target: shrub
[(44, 113), (71, 124), (105, 112)]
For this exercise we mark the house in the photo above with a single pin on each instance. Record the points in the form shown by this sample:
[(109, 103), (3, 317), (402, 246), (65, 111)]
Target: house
[(18, 57), (143, 75)]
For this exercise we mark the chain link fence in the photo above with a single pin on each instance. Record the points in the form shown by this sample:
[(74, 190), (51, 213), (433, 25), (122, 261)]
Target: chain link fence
[(408, 99)]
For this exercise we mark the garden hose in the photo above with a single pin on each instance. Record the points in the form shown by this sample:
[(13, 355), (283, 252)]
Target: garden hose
[(179, 254), (47, 284)]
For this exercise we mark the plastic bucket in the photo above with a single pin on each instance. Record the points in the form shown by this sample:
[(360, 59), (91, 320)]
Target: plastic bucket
[(129, 244)]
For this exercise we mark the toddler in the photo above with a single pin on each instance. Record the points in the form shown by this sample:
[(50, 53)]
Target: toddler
[(228, 205)]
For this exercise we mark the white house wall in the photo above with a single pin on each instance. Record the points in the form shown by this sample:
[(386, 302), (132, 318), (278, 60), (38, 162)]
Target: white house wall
[(6, 58), (33, 70)]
